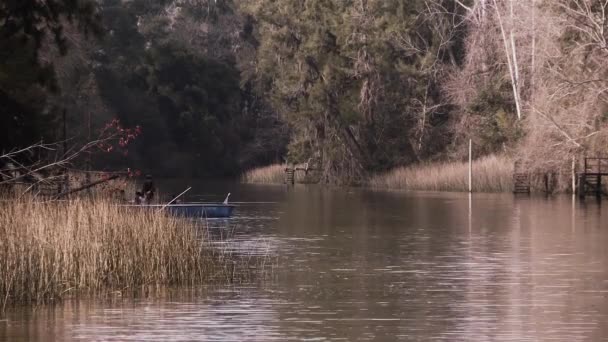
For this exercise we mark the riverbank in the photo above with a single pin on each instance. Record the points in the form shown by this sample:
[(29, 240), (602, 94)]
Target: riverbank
[(490, 174), (51, 250)]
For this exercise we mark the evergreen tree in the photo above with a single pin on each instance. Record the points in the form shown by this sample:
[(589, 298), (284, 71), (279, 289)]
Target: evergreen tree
[(346, 75)]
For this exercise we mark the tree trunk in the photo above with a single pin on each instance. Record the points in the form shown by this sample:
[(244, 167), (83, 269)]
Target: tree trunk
[(334, 136), (512, 71), (345, 132)]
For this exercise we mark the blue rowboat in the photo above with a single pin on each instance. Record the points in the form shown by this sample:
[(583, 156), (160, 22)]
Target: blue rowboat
[(198, 210), (205, 210)]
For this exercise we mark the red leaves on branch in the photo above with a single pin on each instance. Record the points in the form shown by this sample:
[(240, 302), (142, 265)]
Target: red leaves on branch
[(115, 137)]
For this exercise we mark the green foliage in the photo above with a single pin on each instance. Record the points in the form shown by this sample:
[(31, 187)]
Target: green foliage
[(201, 99), (343, 70), (25, 81), (221, 86), (299, 151), (494, 112), (32, 20), (197, 116)]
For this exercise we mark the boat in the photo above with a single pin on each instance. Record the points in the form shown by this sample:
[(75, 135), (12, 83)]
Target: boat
[(196, 210), (205, 210)]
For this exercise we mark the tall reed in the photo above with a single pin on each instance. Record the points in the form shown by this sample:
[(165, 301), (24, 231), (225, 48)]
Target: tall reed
[(490, 174), (49, 250), (272, 174)]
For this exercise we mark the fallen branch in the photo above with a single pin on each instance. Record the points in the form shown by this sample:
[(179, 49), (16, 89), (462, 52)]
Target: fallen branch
[(86, 186), (112, 133)]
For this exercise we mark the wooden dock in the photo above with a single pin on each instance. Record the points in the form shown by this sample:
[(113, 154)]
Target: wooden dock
[(291, 172), (521, 179), (590, 180), (290, 176)]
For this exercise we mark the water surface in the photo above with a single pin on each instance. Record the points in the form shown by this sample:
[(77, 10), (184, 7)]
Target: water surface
[(374, 266)]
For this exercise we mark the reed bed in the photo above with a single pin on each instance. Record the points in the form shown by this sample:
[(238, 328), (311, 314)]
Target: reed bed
[(490, 174), (272, 174), (49, 250)]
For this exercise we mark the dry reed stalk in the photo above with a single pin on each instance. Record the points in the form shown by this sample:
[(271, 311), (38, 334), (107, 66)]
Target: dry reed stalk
[(490, 174), (52, 249), (272, 174)]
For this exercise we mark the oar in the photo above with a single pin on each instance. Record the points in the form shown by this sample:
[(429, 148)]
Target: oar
[(178, 196)]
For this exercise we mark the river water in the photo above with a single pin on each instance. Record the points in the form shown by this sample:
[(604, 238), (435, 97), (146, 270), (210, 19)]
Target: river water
[(363, 265)]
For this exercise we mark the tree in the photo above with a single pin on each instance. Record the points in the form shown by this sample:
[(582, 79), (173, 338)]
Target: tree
[(570, 102), (349, 77), (491, 87), (25, 77), (174, 67)]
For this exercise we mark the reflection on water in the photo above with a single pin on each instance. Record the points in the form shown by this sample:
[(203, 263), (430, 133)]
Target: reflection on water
[(364, 265)]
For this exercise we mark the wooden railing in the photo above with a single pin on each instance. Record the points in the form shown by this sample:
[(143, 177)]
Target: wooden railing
[(596, 166)]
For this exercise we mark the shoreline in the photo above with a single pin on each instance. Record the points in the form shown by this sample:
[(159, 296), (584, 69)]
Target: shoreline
[(491, 174)]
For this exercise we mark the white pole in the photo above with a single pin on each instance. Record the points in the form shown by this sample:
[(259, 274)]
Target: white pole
[(470, 165), (573, 175), (470, 213)]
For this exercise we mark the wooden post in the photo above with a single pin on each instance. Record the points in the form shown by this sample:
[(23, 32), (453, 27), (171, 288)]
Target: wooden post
[(470, 165)]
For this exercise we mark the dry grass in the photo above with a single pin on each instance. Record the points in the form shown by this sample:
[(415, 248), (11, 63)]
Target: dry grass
[(53, 249), (272, 174), (490, 174)]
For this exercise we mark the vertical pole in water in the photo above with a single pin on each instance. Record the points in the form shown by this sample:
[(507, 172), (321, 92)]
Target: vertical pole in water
[(470, 165), (572, 214), (598, 190), (470, 213), (573, 175), (65, 151)]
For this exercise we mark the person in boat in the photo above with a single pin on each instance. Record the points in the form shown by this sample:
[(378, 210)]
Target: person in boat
[(139, 197), (148, 189)]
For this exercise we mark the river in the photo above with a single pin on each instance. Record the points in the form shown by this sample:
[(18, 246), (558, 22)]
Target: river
[(364, 265)]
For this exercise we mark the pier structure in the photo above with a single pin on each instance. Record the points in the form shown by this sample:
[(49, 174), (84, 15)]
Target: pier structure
[(292, 170), (590, 182), (521, 179)]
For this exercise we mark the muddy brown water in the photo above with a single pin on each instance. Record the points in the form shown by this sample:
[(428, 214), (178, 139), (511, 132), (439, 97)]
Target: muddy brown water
[(363, 265)]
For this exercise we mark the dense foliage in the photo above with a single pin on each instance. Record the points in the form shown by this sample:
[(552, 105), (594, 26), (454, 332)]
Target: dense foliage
[(359, 81), (158, 65), (352, 87), (26, 79)]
